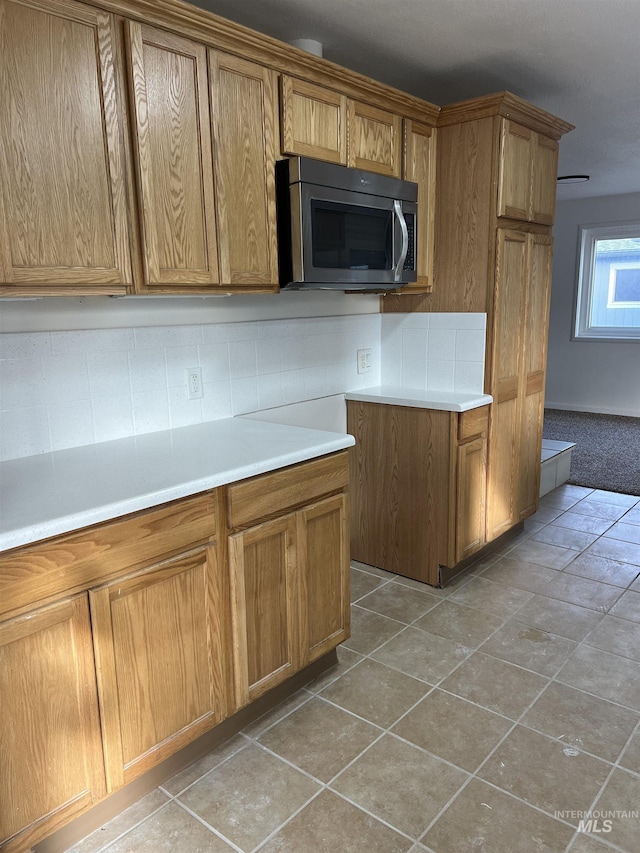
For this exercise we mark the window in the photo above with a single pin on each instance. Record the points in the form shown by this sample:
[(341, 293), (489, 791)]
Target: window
[(608, 295)]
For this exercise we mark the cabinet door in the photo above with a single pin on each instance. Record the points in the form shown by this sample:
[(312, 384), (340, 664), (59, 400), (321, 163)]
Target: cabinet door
[(264, 605), (471, 490), (505, 380), (173, 156), (535, 325), (545, 178), (158, 648), (323, 565), (515, 174), (50, 756), (243, 103), (313, 121), (420, 166), (63, 207), (375, 139)]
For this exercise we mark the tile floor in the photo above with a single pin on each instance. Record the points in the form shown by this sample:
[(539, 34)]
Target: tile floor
[(482, 717)]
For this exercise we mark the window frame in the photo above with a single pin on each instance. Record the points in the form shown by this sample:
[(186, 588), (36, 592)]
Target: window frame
[(588, 235)]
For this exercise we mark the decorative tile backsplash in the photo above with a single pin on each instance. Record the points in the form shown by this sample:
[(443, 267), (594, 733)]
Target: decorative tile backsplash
[(65, 389), (439, 352)]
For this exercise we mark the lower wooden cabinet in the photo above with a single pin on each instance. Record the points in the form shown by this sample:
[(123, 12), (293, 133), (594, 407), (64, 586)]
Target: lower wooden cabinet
[(289, 577), (158, 647), (418, 487), (154, 635), (50, 754)]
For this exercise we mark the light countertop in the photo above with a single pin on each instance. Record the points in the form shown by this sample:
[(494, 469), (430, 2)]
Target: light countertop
[(394, 395), (53, 493)]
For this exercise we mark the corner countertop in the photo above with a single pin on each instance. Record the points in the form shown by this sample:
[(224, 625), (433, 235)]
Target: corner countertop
[(447, 401), (53, 493)]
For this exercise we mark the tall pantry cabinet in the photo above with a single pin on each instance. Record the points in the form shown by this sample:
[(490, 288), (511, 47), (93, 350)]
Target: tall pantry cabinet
[(496, 180)]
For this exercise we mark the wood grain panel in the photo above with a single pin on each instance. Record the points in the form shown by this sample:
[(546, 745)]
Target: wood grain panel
[(63, 207), (243, 103), (262, 563), (464, 240), (515, 180), (313, 121), (504, 436), (323, 565), (399, 488), (374, 140), (471, 498), (545, 174), (78, 560), (50, 757), (173, 156), (158, 650), (269, 494), (508, 307), (473, 423), (419, 165)]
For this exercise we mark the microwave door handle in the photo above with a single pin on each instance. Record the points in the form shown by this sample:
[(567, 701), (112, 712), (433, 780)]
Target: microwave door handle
[(397, 206)]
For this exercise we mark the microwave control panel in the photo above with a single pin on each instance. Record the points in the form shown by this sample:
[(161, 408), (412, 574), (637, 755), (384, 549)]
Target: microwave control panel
[(410, 260)]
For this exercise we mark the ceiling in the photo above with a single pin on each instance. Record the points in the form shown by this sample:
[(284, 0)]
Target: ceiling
[(578, 59)]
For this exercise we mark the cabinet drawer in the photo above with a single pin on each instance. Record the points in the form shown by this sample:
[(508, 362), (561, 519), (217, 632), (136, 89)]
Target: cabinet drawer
[(76, 561), (271, 494), (472, 423)]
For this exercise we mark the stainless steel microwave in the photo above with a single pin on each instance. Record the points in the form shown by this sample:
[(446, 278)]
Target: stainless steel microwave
[(344, 229)]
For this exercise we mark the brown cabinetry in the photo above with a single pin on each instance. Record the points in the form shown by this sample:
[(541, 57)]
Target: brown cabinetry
[(419, 165), (289, 574), (64, 221), (158, 639), (496, 177), (469, 478), (205, 158), (313, 121), (49, 720), (527, 174), (375, 139)]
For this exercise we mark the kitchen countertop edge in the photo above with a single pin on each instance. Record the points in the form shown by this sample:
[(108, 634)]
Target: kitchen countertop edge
[(447, 401), (66, 490)]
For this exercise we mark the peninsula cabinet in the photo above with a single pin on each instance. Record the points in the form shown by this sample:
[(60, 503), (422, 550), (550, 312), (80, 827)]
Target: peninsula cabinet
[(418, 485), (289, 574), (64, 220)]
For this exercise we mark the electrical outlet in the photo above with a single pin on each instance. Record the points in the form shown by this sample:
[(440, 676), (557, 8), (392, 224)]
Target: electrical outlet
[(364, 361), (194, 383)]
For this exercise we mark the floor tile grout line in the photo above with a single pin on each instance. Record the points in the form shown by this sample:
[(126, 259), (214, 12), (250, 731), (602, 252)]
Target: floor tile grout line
[(130, 829), (207, 772), (208, 826), (286, 822)]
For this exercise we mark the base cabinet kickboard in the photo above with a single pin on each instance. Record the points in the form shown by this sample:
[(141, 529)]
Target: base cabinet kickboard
[(123, 642)]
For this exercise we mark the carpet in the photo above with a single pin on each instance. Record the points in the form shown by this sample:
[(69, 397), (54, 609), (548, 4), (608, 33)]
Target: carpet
[(607, 451)]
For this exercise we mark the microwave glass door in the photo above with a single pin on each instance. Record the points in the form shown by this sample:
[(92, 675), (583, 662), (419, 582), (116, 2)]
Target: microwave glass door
[(346, 237), (350, 237)]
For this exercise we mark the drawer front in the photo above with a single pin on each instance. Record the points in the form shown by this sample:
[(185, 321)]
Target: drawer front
[(79, 560), (271, 494), (473, 423)]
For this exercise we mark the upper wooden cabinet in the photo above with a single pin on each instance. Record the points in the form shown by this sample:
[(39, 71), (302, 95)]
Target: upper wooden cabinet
[(419, 165), (50, 756), (172, 132), (244, 117), (318, 122), (375, 139), (63, 202), (313, 121), (528, 172)]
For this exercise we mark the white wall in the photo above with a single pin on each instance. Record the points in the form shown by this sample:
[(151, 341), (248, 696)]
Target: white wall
[(588, 376)]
